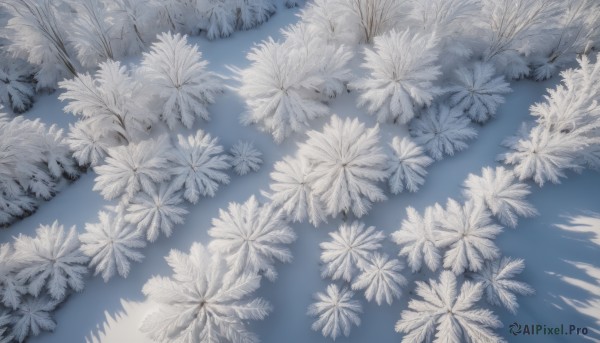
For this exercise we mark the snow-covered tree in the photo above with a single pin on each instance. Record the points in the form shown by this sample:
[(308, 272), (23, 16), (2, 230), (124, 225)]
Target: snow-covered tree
[(449, 313), (245, 157), (134, 167), (217, 17), (477, 92), (500, 288), (417, 237), (349, 250), (467, 232), (5, 321), (91, 32), (251, 13), (202, 302), (407, 165), (577, 24), (442, 130), (292, 191), (327, 62), (450, 21), (51, 261), (381, 279), (34, 160), (336, 310), (252, 237), (89, 146), (328, 19), (176, 76), (111, 101), (37, 34), (510, 28), (542, 155), (198, 165), (57, 156), (373, 18), (402, 70), (346, 163), (32, 317), (156, 210), (111, 244), (136, 23), (16, 84), (501, 193), (287, 83), (11, 288), (567, 132)]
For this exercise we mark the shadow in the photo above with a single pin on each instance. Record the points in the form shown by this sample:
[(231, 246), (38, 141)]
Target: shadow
[(561, 249), (119, 326)]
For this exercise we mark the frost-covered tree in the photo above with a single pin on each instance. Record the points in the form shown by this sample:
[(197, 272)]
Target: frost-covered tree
[(245, 157), (501, 193), (349, 250), (251, 13), (407, 165), (287, 83), (57, 156), (577, 25), (136, 23), (156, 210), (5, 334), (326, 62), (497, 280), (448, 313), (381, 279), (336, 310), (34, 159), (442, 130), (11, 288), (252, 238), (175, 74), (467, 232), (510, 28), (417, 238), (91, 32), (134, 167), (346, 163), (89, 147), (477, 91), (328, 19), (111, 244), (217, 17), (542, 155), (292, 191), (51, 261), (37, 34), (373, 18), (16, 84), (111, 102), (450, 21), (202, 302), (32, 317), (402, 71), (199, 165)]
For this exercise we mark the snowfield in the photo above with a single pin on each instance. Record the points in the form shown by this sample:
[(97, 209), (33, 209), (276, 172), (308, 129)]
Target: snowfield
[(560, 246)]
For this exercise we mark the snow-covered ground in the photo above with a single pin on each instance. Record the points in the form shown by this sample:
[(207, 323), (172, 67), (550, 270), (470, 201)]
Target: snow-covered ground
[(561, 247)]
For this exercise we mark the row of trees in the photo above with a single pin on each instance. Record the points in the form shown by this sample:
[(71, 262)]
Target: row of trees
[(36, 274), (402, 70), (118, 106), (49, 40), (35, 162), (151, 179)]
